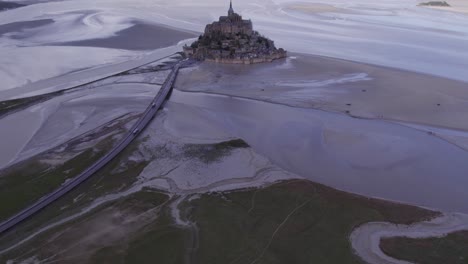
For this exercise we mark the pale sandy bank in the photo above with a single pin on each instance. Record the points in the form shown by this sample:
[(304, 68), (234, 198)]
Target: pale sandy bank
[(365, 239)]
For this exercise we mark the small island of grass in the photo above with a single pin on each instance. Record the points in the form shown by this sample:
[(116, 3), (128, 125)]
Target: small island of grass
[(435, 3), (448, 249)]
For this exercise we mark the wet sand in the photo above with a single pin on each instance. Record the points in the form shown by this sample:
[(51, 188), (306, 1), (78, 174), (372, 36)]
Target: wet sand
[(20, 26), (48, 124), (428, 41), (9, 5), (141, 36), (39, 50), (356, 89), (315, 8), (369, 157), (75, 112), (351, 126)]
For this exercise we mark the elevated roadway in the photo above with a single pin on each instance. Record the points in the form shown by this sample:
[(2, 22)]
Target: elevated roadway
[(143, 121)]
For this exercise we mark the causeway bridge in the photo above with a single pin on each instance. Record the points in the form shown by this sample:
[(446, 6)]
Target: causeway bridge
[(143, 121)]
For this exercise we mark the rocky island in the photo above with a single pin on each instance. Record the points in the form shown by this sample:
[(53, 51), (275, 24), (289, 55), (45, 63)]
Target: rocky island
[(233, 40)]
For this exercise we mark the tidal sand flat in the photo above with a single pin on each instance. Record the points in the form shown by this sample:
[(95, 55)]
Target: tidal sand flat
[(4, 5), (297, 118), (140, 36), (53, 122), (315, 8), (333, 85), (73, 41), (359, 30), (57, 117), (17, 27)]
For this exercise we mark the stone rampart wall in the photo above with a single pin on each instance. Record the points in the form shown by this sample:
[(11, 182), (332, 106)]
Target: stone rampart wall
[(249, 60)]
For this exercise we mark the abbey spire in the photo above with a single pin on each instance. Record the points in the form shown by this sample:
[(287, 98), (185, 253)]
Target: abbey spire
[(231, 10)]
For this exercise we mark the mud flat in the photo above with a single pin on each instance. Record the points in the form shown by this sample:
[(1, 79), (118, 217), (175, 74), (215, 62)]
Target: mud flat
[(355, 89), (16, 27), (9, 5), (48, 124), (315, 8), (75, 47), (57, 117), (141, 36), (371, 157)]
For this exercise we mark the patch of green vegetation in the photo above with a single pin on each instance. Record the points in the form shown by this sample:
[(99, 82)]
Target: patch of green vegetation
[(159, 242), (291, 222), (111, 255), (162, 243), (21, 185), (451, 249), (27, 181), (7, 107), (435, 3), (116, 176), (212, 153), (147, 198), (134, 205), (72, 202)]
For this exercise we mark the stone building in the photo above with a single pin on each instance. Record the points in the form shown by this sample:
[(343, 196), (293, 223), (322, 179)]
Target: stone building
[(230, 24), (233, 40)]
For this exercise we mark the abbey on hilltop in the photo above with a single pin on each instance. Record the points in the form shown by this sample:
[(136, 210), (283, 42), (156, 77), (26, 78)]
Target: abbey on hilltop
[(233, 40)]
